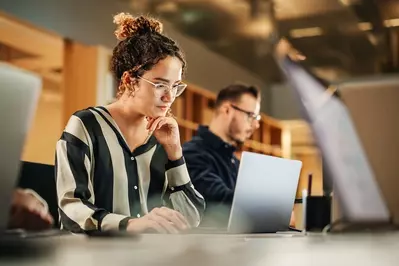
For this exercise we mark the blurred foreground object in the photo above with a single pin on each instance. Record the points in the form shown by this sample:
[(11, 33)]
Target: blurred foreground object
[(28, 211), (292, 220), (284, 48)]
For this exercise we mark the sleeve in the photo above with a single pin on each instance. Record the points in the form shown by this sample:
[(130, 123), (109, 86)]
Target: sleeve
[(75, 194), (181, 194), (205, 178)]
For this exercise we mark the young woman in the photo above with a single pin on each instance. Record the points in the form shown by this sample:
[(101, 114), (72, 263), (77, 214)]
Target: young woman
[(120, 166)]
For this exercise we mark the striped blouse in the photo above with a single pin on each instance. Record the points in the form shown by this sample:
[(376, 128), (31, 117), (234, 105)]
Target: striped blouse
[(101, 184)]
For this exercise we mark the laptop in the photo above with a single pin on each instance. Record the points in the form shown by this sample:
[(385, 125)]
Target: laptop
[(346, 162), (373, 105), (264, 194), (19, 94)]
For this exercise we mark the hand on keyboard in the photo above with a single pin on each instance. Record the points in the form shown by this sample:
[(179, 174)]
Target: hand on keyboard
[(28, 212), (160, 220)]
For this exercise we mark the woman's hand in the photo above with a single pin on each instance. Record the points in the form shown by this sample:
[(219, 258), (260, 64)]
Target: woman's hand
[(159, 220), (166, 130)]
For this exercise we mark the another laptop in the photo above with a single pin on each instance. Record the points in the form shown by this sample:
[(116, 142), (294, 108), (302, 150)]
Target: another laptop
[(359, 195), (19, 94), (373, 106), (264, 195)]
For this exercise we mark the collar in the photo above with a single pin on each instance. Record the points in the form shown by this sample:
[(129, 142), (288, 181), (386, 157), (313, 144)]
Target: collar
[(213, 140), (111, 123)]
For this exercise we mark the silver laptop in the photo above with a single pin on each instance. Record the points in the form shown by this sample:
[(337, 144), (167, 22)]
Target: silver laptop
[(346, 161), (373, 106), (264, 195), (19, 94)]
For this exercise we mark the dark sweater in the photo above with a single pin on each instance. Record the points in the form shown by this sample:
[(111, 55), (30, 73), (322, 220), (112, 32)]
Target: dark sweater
[(213, 169)]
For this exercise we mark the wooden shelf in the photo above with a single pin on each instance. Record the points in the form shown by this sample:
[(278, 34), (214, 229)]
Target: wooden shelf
[(195, 106), (302, 147), (186, 125)]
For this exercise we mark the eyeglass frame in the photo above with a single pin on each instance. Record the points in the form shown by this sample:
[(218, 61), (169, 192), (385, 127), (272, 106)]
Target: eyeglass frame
[(251, 115), (168, 87)]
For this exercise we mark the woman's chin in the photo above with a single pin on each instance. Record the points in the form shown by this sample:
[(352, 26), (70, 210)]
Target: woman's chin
[(157, 113)]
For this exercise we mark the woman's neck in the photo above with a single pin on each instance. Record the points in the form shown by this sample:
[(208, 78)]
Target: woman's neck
[(132, 125), (124, 113)]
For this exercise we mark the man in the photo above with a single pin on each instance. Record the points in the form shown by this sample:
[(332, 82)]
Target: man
[(210, 157)]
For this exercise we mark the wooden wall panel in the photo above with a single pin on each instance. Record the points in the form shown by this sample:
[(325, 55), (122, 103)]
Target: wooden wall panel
[(80, 78)]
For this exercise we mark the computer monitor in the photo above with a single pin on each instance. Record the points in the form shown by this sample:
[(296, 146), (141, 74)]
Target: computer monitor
[(345, 159)]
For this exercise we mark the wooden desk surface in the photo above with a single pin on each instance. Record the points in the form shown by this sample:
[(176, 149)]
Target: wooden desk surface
[(220, 250)]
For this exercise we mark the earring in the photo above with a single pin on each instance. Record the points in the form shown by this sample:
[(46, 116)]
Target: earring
[(131, 89)]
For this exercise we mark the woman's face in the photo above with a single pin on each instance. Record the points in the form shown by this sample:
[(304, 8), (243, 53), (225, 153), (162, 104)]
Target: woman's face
[(155, 90)]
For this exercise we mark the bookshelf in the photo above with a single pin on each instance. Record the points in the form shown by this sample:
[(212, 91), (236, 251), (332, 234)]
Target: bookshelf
[(195, 106)]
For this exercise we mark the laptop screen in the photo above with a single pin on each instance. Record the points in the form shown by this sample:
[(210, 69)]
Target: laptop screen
[(19, 94), (346, 161)]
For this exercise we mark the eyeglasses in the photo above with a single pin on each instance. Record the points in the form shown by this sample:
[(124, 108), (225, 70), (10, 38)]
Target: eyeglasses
[(162, 88), (251, 115)]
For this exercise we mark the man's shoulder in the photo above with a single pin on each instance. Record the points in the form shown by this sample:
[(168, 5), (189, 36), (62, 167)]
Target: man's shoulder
[(193, 144), (196, 152), (194, 148)]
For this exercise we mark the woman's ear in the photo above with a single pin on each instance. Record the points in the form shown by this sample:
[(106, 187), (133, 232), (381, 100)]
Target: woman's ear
[(129, 83), (125, 77)]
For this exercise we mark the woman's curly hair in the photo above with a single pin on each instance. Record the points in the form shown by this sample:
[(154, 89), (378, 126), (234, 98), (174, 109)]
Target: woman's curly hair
[(141, 46)]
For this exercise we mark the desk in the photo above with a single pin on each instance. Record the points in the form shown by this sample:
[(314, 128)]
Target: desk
[(221, 250)]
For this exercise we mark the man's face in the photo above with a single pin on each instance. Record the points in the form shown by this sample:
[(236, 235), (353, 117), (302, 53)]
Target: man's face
[(243, 120)]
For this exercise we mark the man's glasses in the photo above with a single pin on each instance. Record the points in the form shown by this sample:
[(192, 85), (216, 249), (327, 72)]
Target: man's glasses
[(162, 88), (251, 115)]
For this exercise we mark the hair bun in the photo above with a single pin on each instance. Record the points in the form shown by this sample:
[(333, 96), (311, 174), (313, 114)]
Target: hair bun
[(129, 26)]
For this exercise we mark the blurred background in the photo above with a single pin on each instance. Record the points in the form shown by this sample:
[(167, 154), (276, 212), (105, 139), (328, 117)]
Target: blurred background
[(69, 44)]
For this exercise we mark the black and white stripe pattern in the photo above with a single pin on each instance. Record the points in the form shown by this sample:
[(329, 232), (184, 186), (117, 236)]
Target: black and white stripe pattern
[(101, 184)]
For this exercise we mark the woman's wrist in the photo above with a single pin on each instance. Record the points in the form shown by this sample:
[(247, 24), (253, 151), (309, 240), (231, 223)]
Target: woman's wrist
[(174, 152)]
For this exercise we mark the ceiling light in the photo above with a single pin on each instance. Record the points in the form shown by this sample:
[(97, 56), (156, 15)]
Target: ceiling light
[(190, 17), (260, 27), (349, 2), (364, 26), (306, 32), (373, 39), (392, 22), (317, 31), (167, 7)]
